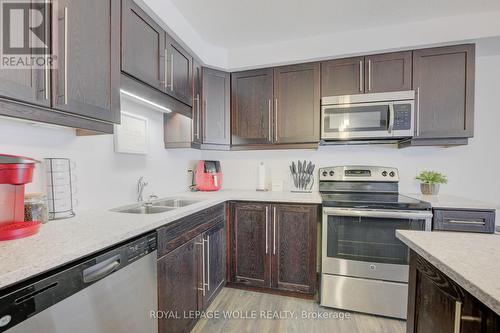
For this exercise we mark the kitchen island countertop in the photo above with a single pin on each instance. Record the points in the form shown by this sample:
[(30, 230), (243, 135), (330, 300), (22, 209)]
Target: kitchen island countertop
[(469, 259)]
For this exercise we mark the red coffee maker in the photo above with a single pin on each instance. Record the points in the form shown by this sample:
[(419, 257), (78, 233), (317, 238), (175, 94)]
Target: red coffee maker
[(15, 173), (208, 176)]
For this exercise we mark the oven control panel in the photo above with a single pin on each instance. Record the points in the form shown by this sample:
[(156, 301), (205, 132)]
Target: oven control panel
[(359, 173)]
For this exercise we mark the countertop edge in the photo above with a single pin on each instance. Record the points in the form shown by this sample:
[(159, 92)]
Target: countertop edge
[(11, 278), (470, 287)]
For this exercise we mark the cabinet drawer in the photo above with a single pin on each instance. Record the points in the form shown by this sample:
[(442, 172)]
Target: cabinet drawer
[(179, 232), (464, 220)]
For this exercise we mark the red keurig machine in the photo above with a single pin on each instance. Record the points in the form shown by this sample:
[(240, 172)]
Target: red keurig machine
[(208, 176), (15, 173)]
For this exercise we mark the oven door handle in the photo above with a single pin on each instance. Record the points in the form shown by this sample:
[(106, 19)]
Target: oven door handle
[(395, 214)]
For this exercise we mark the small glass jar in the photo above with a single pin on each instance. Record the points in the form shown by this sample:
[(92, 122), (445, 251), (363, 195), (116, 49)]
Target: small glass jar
[(36, 207)]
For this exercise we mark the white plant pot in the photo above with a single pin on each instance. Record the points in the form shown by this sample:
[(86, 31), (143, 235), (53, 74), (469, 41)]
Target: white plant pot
[(429, 189)]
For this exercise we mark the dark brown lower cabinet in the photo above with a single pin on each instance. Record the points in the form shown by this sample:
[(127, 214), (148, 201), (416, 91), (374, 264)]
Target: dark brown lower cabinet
[(294, 247), (273, 246), (437, 304), (215, 262), (190, 272), (178, 286)]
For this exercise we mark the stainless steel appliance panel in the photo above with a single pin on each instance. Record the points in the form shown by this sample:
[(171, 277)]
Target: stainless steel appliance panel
[(121, 302), (364, 295), (368, 116)]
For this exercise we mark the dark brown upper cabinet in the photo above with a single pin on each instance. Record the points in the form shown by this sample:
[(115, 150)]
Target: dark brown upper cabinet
[(30, 85), (252, 107), (216, 125), (83, 85), (197, 89), (143, 46), (388, 72), (342, 77), (274, 246), (87, 79), (178, 72), (297, 103), (443, 79), (371, 74), (276, 106)]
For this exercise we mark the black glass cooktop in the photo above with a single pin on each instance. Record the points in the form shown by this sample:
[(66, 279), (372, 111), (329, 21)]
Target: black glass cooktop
[(373, 201)]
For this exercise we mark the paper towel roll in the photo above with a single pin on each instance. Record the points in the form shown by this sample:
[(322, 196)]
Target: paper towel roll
[(262, 177)]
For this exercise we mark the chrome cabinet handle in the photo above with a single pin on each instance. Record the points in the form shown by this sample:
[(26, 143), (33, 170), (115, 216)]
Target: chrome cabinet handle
[(418, 112), (66, 55), (274, 230), (198, 116), (204, 134), (47, 69), (458, 317), (270, 120), (267, 227), (165, 70), (369, 75), (47, 82), (172, 71), (202, 266), (208, 262), (391, 117), (361, 76), (467, 222), (275, 120)]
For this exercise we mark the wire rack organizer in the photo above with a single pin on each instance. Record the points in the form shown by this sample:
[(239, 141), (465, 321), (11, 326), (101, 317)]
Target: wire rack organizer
[(60, 188)]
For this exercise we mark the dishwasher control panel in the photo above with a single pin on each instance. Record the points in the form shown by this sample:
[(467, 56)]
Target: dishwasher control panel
[(141, 247)]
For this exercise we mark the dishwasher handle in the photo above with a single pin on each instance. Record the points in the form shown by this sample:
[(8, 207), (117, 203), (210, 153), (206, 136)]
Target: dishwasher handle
[(102, 269)]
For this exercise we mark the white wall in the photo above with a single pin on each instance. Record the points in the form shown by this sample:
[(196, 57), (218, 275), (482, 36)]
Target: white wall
[(473, 170), (438, 31), (165, 12), (105, 179)]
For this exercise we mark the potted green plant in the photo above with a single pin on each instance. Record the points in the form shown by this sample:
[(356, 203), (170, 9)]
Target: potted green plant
[(430, 181)]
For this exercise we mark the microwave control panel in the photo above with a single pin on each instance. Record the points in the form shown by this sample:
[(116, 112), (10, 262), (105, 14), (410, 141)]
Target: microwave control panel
[(402, 116)]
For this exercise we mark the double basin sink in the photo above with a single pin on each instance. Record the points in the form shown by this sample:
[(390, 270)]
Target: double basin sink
[(157, 206)]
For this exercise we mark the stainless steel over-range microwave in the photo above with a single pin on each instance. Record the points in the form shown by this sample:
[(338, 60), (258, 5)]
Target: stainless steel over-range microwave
[(368, 116)]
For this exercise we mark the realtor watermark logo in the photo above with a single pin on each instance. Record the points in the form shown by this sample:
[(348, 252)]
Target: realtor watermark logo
[(25, 34)]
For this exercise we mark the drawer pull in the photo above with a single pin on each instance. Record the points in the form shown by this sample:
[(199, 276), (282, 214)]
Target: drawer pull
[(458, 317), (467, 222)]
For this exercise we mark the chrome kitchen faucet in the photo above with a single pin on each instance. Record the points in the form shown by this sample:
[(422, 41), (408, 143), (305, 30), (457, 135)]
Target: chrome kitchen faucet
[(141, 184)]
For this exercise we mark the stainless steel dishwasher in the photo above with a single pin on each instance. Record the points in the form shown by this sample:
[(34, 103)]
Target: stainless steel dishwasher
[(111, 292)]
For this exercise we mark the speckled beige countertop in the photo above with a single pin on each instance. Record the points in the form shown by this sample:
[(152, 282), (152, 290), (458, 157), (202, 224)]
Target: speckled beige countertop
[(63, 241), (453, 202), (469, 259)]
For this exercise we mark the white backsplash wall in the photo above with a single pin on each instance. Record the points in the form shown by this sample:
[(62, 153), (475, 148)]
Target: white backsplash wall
[(473, 170), (105, 179)]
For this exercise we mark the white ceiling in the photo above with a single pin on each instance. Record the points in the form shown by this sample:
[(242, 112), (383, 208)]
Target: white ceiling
[(242, 23)]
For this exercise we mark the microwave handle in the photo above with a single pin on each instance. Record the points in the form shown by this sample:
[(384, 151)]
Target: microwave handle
[(392, 115)]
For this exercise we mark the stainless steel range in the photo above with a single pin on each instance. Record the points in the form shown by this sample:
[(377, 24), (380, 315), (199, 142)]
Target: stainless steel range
[(364, 265)]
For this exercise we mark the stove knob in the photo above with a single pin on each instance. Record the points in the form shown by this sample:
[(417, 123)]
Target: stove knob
[(392, 174), (332, 173), (325, 173), (384, 173)]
